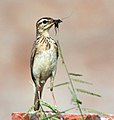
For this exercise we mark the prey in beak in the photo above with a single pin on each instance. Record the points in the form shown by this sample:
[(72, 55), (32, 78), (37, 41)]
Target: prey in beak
[(56, 23)]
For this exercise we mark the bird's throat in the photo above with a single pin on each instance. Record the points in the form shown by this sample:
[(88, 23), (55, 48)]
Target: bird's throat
[(44, 33)]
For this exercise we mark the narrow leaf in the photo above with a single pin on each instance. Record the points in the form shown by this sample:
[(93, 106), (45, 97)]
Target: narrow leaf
[(33, 114), (87, 92), (29, 110), (74, 99), (75, 74), (58, 85), (53, 108), (94, 111), (82, 81), (54, 116), (68, 110)]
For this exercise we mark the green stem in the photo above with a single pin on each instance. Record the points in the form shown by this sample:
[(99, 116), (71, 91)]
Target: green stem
[(71, 83)]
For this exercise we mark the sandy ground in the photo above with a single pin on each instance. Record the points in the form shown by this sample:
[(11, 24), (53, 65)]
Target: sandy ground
[(87, 41)]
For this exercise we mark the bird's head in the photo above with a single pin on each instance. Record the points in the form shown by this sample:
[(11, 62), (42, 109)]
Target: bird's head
[(45, 23)]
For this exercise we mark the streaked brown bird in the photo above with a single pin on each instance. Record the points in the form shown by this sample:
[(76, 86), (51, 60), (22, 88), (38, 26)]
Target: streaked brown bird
[(43, 62)]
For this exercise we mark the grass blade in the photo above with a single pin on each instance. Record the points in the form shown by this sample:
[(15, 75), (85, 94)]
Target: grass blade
[(87, 92), (29, 110), (74, 99), (94, 111), (81, 81), (54, 116), (53, 108), (61, 84), (75, 74)]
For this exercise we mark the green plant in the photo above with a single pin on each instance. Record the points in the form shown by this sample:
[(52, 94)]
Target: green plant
[(72, 78)]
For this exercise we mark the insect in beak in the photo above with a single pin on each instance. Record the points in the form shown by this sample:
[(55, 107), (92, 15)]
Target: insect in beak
[(56, 23)]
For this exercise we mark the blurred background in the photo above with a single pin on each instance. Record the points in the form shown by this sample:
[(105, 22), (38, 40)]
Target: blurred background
[(87, 41)]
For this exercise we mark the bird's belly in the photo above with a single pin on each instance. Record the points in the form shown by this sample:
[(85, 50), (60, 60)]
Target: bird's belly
[(44, 64)]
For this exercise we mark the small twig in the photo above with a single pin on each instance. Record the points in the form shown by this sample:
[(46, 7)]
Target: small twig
[(70, 80)]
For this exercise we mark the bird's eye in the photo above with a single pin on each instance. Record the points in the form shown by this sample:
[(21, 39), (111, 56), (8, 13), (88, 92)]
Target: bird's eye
[(45, 21)]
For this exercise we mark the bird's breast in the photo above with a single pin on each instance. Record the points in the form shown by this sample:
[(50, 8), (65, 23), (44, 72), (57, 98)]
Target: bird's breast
[(45, 63)]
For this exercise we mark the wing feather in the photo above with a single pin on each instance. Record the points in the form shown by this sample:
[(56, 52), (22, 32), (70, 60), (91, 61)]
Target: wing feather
[(33, 53)]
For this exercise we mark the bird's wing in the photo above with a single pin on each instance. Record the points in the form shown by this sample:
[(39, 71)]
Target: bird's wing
[(33, 53), (57, 49)]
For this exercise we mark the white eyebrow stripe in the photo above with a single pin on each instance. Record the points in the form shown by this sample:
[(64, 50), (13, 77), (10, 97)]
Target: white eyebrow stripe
[(43, 20)]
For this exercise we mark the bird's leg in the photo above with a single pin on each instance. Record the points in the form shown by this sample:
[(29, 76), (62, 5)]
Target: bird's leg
[(39, 91), (37, 96)]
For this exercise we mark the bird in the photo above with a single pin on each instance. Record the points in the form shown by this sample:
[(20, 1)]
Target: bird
[(44, 57)]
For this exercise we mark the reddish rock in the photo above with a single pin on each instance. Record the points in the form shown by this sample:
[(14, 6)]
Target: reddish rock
[(20, 116)]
